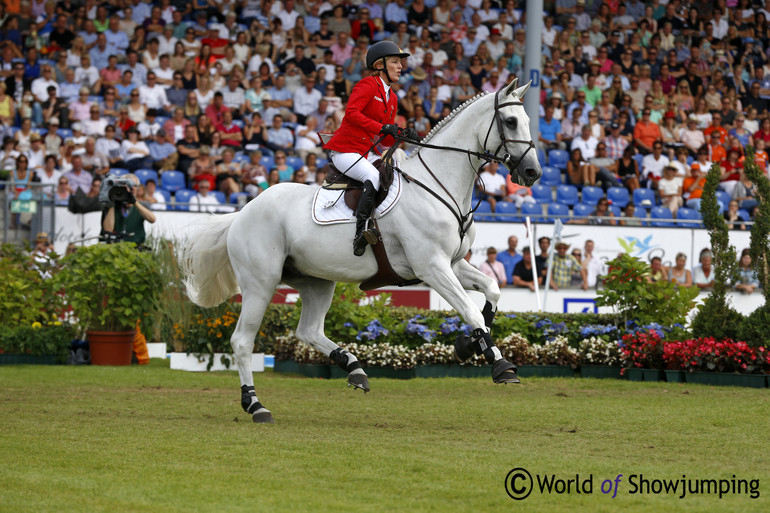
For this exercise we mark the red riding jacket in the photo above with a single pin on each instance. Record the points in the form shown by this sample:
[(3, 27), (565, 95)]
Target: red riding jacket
[(366, 112)]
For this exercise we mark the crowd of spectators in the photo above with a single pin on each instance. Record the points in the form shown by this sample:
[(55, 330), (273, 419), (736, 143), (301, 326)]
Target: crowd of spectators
[(228, 92), (584, 268)]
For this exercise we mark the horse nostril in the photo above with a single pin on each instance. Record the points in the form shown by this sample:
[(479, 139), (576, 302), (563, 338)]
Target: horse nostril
[(531, 173)]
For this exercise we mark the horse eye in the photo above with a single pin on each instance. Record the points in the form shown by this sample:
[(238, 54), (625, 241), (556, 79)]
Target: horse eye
[(512, 123)]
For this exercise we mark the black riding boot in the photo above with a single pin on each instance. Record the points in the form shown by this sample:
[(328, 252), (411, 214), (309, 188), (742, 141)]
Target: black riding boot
[(364, 210)]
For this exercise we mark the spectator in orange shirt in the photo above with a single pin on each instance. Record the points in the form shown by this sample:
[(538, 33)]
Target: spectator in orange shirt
[(717, 152), (646, 132), (716, 126), (693, 185)]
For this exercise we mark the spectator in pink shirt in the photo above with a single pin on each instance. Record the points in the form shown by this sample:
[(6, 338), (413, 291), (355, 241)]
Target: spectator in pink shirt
[(341, 50), (492, 268)]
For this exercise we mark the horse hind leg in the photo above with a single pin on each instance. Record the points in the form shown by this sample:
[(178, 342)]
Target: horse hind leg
[(317, 295), (242, 342)]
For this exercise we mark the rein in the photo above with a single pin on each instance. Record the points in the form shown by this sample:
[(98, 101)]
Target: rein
[(485, 156)]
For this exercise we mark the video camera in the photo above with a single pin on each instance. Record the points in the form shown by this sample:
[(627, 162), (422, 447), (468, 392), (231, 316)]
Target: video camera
[(116, 190)]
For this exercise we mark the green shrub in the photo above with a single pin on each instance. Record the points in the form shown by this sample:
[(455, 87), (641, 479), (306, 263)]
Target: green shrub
[(716, 318), (628, 290), (25, 296), (52, 340), (753, 328)]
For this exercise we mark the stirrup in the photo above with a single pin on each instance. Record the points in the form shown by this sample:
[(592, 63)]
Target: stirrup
[(371, 235)]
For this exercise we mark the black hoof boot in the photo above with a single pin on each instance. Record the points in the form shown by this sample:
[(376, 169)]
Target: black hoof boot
[(504, 371), (465, 348)]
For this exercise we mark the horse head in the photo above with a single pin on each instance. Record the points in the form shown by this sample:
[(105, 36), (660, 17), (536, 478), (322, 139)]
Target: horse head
[(519, 152)]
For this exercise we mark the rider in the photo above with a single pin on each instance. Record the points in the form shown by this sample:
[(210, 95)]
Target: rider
[(370, 112)]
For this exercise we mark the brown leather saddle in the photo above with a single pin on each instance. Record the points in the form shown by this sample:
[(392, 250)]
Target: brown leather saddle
[(336, 180)]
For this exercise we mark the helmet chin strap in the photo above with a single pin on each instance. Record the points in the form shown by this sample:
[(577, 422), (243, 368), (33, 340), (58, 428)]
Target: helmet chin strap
[(385, 71)]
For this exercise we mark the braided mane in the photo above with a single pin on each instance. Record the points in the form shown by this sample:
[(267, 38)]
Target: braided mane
[(441, 124)]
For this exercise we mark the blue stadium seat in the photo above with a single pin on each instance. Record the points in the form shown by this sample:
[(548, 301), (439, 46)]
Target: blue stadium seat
[(724, 197), (582, 210), (542, 193), (661, 213), (321, 163), (638, 157), (551, 176), (506, 212), (166, 195), (235, 195), (567, 195), (618, 196), (591, 195), (64, 133), (172, 180), (541, 158), (268, 162), (145, 174), (532, 209), (688, 214), (744, 215), (118, 171), (644, 195), (241, 159), (294, 161), (220, 196), (558, 158), (557, 210), (484, 208), (182, 196)]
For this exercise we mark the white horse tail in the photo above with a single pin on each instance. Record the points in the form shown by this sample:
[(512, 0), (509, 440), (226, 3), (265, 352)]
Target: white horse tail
[(205, 263)]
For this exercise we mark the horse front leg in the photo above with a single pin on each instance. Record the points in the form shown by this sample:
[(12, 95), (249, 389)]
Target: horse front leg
[(317, 295), (441, 277), (473, 279)]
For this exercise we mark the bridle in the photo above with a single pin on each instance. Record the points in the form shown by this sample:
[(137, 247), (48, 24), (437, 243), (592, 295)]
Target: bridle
[(465, 220)]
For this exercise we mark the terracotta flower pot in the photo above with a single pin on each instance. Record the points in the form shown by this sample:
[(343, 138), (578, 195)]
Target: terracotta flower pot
[(110, 347)]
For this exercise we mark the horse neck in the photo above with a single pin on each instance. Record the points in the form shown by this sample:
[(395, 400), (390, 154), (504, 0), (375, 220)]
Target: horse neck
[(454, 169)]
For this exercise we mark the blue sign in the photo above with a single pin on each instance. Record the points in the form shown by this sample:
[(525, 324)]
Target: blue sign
[(534, 76), (575, 305)]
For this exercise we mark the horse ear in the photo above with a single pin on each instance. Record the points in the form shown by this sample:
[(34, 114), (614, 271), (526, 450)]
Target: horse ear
[(523, 89), (512, 86)]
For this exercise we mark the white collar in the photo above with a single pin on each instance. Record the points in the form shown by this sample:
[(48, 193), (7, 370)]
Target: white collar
[(385, 85)]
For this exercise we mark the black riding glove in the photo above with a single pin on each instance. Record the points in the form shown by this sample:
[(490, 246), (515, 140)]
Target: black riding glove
[(391, 130), (412, 134)]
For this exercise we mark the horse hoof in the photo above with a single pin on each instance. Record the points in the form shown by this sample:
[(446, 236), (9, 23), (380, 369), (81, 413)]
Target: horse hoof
[(504, 371), (263, 416), (358, 380)]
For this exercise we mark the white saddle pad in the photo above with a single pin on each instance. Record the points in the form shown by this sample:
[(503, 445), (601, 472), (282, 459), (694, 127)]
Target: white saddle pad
[(329, 206)]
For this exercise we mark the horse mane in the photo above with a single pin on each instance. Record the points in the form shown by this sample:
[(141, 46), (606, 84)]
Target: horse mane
[(441, 124)]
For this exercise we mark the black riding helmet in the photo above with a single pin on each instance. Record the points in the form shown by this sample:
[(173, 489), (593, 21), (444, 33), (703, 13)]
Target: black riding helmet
[(383, 49)]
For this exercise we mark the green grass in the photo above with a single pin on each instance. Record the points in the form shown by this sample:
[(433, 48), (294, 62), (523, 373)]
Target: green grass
[(148, 439)]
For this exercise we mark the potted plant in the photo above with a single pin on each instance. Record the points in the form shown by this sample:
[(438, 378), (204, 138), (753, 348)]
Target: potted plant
[(110, 287), (643, 355)]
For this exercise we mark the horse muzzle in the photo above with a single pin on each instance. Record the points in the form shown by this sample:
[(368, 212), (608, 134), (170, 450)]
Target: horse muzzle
[(527, 177)]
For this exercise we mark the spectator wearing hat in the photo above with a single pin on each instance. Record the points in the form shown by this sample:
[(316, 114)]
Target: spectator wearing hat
[(440, 56), (564, 265), (691, 136), (616, 145), (134, 152), (52, 141), (614, 47), (492, 268)]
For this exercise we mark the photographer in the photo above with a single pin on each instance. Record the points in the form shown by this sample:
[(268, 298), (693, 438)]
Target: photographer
[(126, 216)]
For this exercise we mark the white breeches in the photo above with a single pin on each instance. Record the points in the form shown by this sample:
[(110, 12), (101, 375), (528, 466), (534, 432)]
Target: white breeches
[(362, 170)]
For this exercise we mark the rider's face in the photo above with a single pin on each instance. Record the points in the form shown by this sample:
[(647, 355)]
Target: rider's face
[(393, 67)]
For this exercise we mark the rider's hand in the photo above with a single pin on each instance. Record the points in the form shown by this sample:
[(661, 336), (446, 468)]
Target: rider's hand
[(412, 134), (391, 130)]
